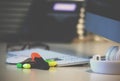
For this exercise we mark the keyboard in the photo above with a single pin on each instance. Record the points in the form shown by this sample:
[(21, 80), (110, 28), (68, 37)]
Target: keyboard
[(62, 59)]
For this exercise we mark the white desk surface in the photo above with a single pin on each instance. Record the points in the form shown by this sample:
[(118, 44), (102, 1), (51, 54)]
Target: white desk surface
[(75, 73)]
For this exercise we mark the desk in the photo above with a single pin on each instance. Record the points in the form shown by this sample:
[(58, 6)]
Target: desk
[(75, 73)]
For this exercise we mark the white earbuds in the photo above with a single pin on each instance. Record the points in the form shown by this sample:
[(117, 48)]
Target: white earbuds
[(111, 63)]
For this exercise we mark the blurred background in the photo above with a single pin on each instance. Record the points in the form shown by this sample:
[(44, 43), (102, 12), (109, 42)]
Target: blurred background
[(36, 20)]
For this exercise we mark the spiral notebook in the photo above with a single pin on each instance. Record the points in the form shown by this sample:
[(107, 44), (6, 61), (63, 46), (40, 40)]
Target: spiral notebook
[(62, 59)]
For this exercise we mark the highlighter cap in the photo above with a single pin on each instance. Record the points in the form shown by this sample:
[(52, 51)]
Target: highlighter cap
[(35, 55)]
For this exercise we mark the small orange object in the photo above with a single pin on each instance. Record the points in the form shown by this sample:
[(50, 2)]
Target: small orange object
[(35, 55)]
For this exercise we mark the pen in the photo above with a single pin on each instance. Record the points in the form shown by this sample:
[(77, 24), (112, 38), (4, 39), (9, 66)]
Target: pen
[(37, 63), (33, 65)]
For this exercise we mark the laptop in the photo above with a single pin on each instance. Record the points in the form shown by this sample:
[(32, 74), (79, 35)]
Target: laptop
[(62, 59)]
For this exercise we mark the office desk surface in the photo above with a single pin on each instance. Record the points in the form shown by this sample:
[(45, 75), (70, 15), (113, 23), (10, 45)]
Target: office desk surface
[(74, 73)]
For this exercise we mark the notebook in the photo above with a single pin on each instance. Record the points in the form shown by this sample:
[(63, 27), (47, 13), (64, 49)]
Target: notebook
[(62, 59)]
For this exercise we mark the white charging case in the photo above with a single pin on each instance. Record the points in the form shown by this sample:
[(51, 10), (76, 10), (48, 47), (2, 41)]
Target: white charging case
[(105, 67)]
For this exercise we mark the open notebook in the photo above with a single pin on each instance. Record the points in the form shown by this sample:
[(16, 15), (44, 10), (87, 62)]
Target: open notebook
[(14, 57)]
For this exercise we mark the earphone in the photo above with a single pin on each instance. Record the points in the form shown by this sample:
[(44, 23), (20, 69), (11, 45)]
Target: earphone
[(112, 53), (111, 63)]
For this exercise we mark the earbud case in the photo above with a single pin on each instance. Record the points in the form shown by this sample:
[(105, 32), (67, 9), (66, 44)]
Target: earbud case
[(105, 67)]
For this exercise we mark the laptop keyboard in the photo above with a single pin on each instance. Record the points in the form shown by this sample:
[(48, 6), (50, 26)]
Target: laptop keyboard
[(61, 58)]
